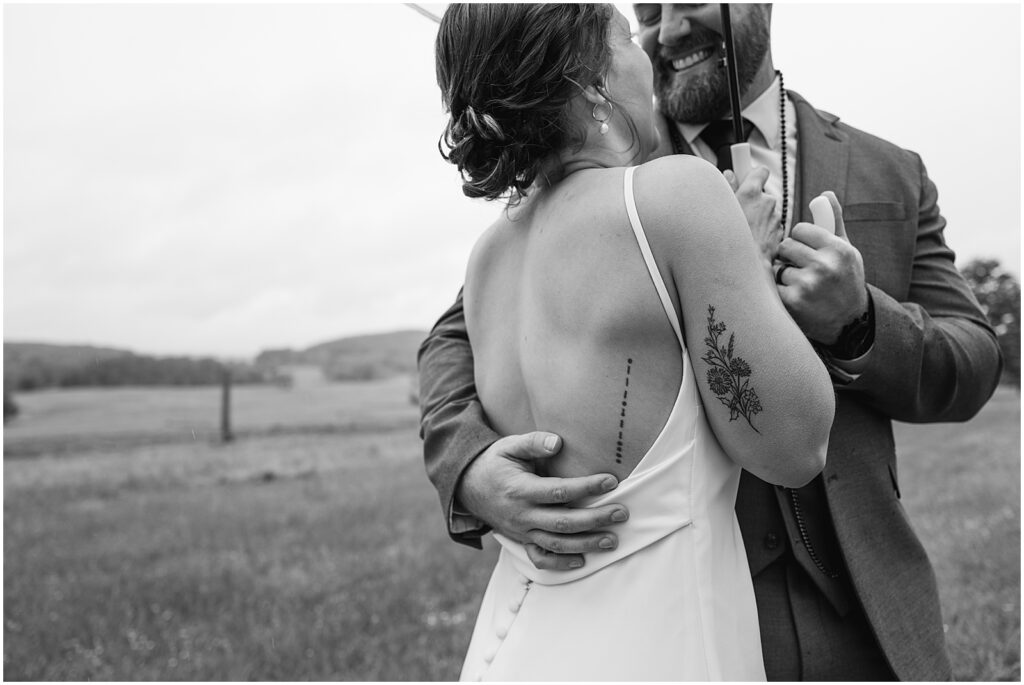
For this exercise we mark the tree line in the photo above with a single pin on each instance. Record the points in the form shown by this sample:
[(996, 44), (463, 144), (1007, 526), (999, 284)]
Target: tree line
[(131, 369), (998, 292)]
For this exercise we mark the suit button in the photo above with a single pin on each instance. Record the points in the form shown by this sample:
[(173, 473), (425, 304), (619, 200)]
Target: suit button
[(771, 541)]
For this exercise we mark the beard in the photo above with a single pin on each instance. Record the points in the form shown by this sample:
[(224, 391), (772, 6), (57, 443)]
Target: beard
[(705, 97)]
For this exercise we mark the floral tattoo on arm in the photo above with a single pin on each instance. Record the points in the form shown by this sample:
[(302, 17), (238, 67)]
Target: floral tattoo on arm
[(729, 376)]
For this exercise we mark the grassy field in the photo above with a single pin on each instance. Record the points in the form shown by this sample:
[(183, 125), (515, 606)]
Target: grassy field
[(961, 486), (312, 548)]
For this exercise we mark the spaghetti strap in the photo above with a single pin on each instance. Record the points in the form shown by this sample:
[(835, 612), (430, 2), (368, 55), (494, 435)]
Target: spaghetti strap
[(645, 249)]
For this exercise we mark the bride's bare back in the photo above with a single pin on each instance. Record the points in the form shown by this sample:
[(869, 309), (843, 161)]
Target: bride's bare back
[(567, 331), (569, 335)]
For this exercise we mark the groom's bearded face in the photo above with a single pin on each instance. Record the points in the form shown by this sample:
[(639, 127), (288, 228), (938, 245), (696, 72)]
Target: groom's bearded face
[(690, 82)]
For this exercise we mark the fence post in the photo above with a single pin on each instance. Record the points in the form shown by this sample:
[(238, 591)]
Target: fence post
[(225, 406)]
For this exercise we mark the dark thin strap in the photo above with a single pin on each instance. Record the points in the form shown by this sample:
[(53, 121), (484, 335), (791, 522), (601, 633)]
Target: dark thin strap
[(677, 140)]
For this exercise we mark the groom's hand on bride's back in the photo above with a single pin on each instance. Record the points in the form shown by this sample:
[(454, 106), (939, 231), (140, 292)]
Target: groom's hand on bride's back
[(500, 487)]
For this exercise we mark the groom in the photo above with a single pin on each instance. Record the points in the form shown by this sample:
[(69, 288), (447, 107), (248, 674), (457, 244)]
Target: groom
[(844, 588)]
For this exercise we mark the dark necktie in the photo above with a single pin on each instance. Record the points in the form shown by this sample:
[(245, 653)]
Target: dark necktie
[(719, 136)]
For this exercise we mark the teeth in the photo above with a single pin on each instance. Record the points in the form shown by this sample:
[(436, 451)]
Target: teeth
[(690, 60)]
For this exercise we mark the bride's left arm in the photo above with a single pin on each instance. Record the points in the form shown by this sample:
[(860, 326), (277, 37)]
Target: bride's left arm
[(766, 394)]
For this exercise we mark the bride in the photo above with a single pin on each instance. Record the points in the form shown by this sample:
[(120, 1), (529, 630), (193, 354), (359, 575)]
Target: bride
[(624, 306)]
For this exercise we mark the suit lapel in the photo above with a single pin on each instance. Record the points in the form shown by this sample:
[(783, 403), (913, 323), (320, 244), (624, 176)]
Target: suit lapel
[(823, 152)]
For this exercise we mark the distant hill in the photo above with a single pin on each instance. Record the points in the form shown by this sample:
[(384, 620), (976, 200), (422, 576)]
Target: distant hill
[(30, 366), (57, 355), (363, 357), (34, 365)]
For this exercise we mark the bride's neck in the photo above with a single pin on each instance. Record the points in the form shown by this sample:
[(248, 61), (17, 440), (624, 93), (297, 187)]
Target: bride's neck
[(600, 151)]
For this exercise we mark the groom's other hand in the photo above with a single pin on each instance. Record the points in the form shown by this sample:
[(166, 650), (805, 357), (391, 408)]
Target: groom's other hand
[(501, 489), (823, 286)]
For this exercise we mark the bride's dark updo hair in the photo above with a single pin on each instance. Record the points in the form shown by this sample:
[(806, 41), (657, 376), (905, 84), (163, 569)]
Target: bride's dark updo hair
[(506, 73)]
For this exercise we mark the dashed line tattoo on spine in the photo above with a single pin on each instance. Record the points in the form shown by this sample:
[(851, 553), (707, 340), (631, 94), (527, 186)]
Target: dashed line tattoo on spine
[(622, 414)]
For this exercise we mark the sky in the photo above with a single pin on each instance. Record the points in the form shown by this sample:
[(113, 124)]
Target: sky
[(224, 179)]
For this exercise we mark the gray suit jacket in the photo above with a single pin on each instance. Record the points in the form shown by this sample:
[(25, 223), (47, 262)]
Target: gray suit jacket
[(934, 359)]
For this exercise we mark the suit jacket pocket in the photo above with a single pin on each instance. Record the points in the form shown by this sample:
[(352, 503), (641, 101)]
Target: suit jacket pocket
[(885, 237), (875, 211)]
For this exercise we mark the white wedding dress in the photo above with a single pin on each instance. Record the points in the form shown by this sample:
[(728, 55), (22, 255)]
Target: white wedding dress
[(673, 602)]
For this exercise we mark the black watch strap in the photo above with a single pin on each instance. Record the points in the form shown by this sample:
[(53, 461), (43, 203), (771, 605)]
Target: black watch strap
[(857, 336)]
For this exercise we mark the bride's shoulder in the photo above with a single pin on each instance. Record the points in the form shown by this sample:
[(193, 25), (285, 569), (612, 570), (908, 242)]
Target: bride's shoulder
[(491, 243), (679, 173), (680, 189)]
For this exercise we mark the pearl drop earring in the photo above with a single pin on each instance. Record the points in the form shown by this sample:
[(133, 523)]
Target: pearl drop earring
[(603, 120)]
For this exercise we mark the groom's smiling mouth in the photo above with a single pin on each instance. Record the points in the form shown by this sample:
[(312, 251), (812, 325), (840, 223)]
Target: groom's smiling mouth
[(692, 59)]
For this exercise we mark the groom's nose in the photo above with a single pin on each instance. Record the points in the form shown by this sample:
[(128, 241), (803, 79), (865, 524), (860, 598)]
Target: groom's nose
[(677, 20)]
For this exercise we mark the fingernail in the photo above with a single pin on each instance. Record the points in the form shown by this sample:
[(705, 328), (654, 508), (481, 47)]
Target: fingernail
[(609, 483), (575, 563), (619, 515), (550, 442), (606, 543)]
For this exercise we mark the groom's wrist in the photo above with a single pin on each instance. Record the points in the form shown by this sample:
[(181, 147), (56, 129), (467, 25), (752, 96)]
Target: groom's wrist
[(856, 337), (462, 521)]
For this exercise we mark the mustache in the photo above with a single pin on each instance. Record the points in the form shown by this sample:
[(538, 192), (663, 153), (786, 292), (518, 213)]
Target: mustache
[(699, 36)]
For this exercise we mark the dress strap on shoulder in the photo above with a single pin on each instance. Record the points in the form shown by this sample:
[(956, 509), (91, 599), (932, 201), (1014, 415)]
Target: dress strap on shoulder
[(645, 250)]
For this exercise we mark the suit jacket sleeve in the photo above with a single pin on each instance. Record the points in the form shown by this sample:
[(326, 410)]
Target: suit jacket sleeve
[(452, 421), (935, 357)]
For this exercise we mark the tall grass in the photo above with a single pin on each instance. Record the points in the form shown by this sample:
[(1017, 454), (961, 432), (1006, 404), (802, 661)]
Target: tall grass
[(961, 487), (282, 558), (321, 555)]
